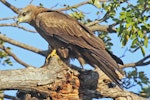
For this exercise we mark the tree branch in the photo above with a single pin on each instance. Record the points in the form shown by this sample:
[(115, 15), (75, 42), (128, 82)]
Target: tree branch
[(15, 25), (104, 88), (52, 79), (7, 18), (78, 5), (14, 56), (26, 78), (56, 80), (98, 21), (142, 62), (74, 6), (92, 23), (8, 97), (104, 28), (22, 45), (13, 8)]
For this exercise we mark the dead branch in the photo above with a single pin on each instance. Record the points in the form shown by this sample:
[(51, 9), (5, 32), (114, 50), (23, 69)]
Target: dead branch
[(14, 56), (78, 5), (31, 1), (15, 25), (104, 88), (74, 6), (13, 8), (142, 62), (58, 81), (104, 28), (7, 18), (22, 45), (54, 80), (8, 97)]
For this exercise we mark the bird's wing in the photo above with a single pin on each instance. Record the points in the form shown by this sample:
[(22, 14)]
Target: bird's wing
[(68, 30)]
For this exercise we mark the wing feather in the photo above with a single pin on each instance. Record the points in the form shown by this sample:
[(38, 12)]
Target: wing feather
[(71, 31)]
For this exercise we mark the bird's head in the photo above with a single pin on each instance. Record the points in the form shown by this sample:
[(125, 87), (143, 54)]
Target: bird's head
[(27, 14)]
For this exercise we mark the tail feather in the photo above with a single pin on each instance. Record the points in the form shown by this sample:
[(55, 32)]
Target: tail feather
[(117, 59), (107, 64)]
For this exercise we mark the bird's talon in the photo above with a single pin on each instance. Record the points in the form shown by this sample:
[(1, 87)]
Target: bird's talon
[(52, 54)]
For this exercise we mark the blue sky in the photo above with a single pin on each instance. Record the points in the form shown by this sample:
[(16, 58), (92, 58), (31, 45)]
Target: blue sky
[(35, 40)]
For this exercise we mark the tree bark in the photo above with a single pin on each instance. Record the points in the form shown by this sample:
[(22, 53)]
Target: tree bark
[(57, 81)]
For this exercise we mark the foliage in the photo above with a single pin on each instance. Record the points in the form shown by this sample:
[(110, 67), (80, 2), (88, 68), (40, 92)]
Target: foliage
[(145, 92), (4, 58), (138, 78), (133, 24)]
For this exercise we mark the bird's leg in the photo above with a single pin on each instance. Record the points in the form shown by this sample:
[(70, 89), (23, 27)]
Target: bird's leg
[(53, 53)]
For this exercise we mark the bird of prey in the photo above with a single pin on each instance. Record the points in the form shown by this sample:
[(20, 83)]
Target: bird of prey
[(70, 38)]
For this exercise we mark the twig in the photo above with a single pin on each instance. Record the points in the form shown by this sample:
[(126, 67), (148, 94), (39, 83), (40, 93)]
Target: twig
[(105, 16), (78, 5), (8, 97), (31, 1), (74, 6), (98, 21), (14, 56), (15, 25), (7, 18), (22, 45), (141, 62), (13, 8)]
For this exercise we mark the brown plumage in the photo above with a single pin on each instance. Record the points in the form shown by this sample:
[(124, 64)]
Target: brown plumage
[(70, 38)]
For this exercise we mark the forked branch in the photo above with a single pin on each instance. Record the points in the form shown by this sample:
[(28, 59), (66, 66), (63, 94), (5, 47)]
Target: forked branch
[(143, 62), (13, 8), (22, 45), (14, 56)]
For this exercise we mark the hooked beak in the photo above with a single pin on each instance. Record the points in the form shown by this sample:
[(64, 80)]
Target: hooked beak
[(19, 20)]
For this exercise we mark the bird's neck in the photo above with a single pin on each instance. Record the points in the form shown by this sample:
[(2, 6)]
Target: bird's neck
[(36, 12)]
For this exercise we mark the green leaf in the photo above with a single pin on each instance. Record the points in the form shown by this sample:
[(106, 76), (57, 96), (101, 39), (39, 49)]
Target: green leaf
[(77, 15), (133, 36), (140, 34), (122, 15), (134, 42), (120, 29), (129, 20), (145, 92), (41, 5), (146, 41), (124, 9), (128, 25), (96, 3), (143, 51)]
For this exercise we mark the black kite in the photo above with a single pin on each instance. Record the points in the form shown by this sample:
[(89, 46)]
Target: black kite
[(70, 38)]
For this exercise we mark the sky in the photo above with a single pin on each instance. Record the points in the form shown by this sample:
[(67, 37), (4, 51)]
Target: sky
[(34, 39)]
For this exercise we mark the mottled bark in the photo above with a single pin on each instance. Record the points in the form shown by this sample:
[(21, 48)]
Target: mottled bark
[(57, 81)]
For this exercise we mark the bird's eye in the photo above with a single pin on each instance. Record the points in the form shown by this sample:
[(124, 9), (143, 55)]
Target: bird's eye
[(24, 14)]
